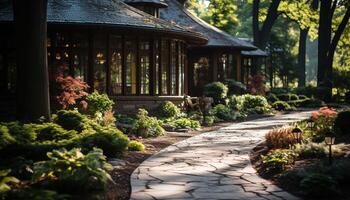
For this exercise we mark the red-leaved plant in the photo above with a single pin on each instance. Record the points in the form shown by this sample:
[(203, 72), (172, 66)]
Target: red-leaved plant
[(72, 90), (256, 85), (324, 118)]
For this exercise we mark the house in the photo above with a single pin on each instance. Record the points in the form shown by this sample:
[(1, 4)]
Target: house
[(137, 59)]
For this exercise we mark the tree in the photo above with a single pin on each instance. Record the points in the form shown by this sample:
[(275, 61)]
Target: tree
[(329, 36), (31, 55)]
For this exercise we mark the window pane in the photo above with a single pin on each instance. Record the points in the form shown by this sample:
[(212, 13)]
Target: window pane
[(144, 66), (156, 78), (201, 72), (181, 69), (164, 67), (130, 68), (222, 70), (100, 79), (173, 67), (80, 63), (232, 67), (116, 64)]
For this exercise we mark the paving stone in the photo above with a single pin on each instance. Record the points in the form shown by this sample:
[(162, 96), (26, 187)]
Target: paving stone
[(212, 165)]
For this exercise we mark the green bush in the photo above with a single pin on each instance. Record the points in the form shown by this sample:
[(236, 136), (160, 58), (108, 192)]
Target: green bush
[(250, 104), (5, 179), (235, 87), (5, 137), (99, 103), (216, 90), (23, 133), (281, 105), (136, 146), (287, 97), (319, 185), (71, 120), (52, 132), (110, 140), (276, 160), (342, 123), (168, 109), (36, 194), (73, 172), (146, 126), (311, 150), (185, 123), (302, 97), (271, 97), (208, 120), (222, 112)]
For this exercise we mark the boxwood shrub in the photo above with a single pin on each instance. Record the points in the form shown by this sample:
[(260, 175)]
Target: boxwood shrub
[(216, 90)]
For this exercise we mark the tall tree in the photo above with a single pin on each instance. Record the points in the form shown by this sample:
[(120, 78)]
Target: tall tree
[(31, 55), (328, 39)]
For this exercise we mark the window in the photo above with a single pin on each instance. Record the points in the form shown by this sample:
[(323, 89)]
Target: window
[(222, 70), (201, 72), (157, 70), (130, 67), (116, 64), (100, 78), (79, 57), (164, 66), (144, 67), (232, 67), (181, 58), (173, 66)]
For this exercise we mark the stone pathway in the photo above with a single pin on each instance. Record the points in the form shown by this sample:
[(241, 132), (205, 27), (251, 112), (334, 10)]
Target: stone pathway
[(213, 165)]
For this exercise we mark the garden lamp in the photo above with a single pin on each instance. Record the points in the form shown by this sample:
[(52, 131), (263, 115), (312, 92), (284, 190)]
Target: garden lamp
[(330, 140), (311, 124), (297, 134)]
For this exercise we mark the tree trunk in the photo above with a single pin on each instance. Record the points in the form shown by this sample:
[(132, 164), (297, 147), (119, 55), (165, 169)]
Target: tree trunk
[(33, 83), (302, 56)]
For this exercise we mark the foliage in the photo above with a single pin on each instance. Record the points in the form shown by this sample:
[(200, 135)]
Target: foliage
[(319, 185), (136, 146), (250, 104), (73, 91), (168, 109), (256, 85), (276, 160), (235, 87), (216, 90), (280, 138), (52, 132), (288, 97), (324, 118), (110, 140), (271, 98), (146, 126), (311, 150), (71, 120), (185, 123), (222, 112), (281, 105), (5, 137), (6, 181), (99, 103), (342, 123), (72, 171), (36, 194), (23, 133), (208, 120), (108, 119)]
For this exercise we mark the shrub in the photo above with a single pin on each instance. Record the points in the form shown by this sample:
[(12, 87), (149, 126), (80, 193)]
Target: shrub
[(216, 90), (73, 172), (71, 120), (250, 104), (342, 123), (314, 103), (256, 85), (208, 120), (168, 109), (276, 160), (280, 138), (311, 150), (5, 137), (302, 97), (324, 118), (5, 179), (185, 123), (271, 97), (36, 194), (288, 97), (99, 103), (23, 133), (222, 112), (136, 146), (148, 126), (235, 87), (319, 185), (281, 105), (340, 171), (110, 140), (52, 132)]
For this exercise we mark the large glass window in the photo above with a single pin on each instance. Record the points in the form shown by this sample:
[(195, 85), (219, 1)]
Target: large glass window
[(173, 66), (181, 55), (144, 67), (100, 78), (79, 57), (201, 72), (222, 70), (164, 66), (116, 64), (157, 65), (130, 67)]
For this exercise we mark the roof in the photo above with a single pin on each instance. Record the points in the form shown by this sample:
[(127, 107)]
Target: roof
[(156, 3), (112, 13), (256, 53), (176, 13)]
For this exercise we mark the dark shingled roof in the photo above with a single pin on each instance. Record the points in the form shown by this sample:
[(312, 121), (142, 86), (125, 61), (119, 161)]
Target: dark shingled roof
[(175, 12), (112, 13), (255, 53), (156, 3)]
